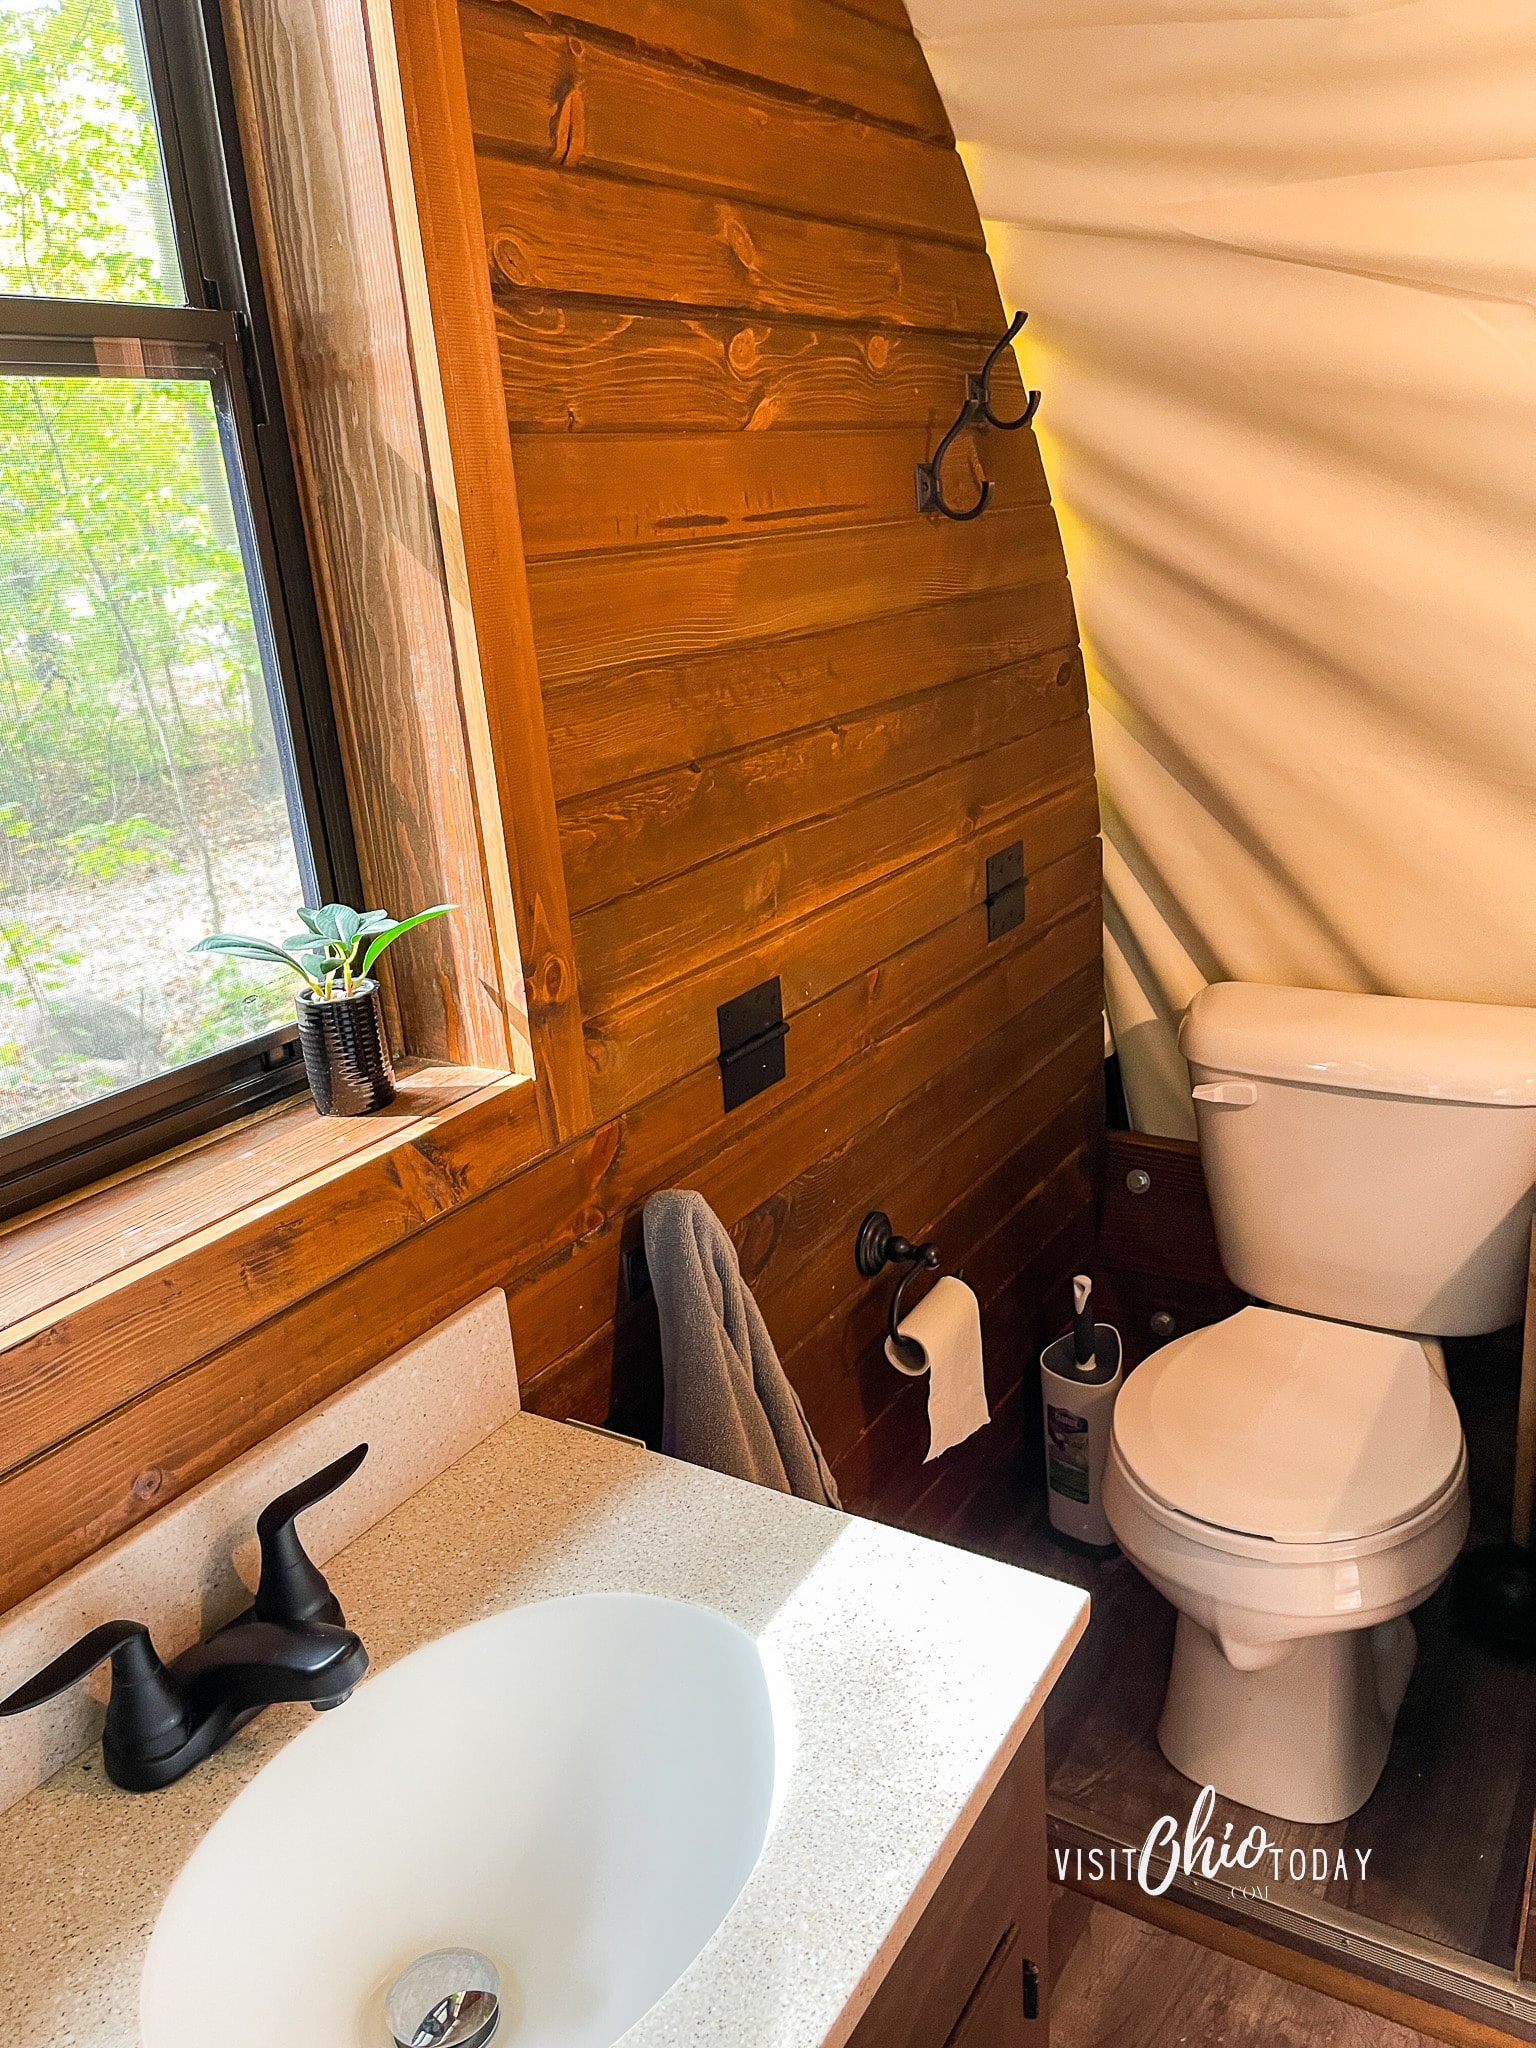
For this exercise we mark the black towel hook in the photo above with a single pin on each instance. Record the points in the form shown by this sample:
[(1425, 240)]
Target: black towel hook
[(978, 386), (978, 406), (930, 487), (878, 1246)]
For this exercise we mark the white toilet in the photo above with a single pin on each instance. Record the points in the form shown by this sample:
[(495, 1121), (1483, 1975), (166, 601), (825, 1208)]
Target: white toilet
[(1294, 1480)]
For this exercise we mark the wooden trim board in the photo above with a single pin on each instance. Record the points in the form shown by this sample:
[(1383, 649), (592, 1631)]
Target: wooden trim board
[(404, 678), (435, 111)]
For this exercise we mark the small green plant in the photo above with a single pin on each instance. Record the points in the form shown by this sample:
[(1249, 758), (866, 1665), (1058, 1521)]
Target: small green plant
[(325, 952)]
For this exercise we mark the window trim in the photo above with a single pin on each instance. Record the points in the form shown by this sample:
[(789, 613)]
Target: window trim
[(193, 111), (431, 646)]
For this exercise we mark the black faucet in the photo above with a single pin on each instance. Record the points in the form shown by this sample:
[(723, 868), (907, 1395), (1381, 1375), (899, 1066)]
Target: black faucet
[(291, 1644)]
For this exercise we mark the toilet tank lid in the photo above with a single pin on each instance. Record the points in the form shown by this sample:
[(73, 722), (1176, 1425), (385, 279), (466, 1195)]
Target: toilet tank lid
[(1377, 1045)]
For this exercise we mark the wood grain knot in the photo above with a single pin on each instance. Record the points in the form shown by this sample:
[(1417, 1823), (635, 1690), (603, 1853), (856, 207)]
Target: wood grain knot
[(599, 1049), (602, 1150), (148, 1484), (551, 980), (733, 232), (507, 257), (743, 352), (571, 128)]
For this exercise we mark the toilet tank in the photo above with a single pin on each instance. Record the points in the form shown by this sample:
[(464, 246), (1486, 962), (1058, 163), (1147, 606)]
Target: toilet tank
[(1369, 1158)]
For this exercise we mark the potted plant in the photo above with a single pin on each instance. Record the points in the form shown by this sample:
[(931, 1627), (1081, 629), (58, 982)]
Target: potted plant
[(341, 1027)]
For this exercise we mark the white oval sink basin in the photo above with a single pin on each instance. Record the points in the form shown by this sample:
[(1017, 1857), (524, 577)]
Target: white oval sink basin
[(578, 1789)]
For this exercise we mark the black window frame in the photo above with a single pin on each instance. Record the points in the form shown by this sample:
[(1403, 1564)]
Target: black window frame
[(225, 313)]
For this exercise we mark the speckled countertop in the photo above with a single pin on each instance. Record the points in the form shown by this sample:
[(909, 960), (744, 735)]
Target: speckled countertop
[(915, 1671)]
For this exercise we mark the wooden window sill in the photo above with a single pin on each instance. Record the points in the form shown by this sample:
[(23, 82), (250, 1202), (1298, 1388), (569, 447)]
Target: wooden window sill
[(112, 1292)]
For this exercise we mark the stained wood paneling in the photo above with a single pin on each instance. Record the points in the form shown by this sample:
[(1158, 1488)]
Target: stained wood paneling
[(570, 1300), (644, 1046), (659, 604), (572, 365), (540, 92), (612, 726), (788, 717), (605, 491), (551, 1235), (708, 291), (620, 840), (928, 1160), (806, 46), (630, 944), (554, 231)]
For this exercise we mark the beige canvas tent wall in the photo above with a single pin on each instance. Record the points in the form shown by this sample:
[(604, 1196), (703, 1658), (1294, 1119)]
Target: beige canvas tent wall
[(1278, 261)]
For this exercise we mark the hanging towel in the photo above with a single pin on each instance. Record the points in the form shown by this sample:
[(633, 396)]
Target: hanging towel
[(728, 1403)]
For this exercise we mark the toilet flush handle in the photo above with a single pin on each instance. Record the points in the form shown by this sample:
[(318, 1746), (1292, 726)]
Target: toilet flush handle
[(1237, 1094)]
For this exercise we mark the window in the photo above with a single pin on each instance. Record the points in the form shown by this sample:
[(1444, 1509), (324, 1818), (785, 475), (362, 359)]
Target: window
[(167, 762)]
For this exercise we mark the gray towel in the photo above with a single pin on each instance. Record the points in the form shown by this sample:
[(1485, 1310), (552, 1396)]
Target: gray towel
[(728, 1403)]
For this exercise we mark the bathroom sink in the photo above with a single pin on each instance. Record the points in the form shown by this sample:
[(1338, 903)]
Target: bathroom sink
[(578, 1789)]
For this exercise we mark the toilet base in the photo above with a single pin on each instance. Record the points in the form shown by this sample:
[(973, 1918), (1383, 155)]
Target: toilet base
[(1304, 1739)]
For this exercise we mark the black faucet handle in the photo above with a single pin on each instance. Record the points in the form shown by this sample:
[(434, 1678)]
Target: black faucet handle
[(147, 1713), (77, 1661), (293, 1591)]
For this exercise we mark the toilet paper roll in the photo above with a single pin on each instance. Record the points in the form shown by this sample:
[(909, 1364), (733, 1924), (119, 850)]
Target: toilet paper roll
[(946, 1324)]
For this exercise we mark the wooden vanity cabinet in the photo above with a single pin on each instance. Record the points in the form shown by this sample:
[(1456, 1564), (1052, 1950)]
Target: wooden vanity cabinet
[(973, 1972)]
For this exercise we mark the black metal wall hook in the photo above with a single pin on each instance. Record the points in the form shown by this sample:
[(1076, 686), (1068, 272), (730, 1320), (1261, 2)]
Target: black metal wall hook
[(978, 386), (978, 406), (878, 1246), (930, 486)]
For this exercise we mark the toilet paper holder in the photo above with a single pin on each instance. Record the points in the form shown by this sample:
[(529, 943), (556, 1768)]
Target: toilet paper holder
[(877, 1247)]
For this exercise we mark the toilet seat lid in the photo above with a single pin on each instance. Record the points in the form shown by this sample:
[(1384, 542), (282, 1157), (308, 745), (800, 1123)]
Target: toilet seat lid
[(1289, 1427)]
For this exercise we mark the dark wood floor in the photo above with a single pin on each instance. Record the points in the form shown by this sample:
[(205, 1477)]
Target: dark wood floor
[(1449, 1824), (1118, 1983)]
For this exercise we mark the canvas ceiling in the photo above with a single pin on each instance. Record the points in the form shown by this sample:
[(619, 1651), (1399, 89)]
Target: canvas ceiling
[(1278, 260)]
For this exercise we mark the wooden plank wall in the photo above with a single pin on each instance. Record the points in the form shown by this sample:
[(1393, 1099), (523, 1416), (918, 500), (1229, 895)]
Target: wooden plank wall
[(738, 280)]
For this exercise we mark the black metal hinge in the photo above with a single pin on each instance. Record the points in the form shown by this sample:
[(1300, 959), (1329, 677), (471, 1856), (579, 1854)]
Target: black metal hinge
[(752, 1034), (1005, 890), (637, 1274)]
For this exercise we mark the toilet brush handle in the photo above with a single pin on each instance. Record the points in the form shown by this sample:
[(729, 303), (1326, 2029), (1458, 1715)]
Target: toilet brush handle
[(1084, 1343)]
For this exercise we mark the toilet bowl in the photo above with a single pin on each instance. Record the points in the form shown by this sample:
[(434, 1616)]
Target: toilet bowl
[(1293, 1480), (1292, 1552)]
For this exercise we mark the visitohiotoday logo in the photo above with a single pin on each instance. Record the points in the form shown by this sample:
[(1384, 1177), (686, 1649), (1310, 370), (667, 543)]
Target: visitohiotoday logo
[(1248, 1866)]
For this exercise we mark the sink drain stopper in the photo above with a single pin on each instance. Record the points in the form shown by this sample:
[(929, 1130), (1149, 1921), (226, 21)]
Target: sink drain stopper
[(449, 1999)]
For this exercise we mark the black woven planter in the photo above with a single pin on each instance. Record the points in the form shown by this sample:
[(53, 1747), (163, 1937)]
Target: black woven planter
[(346, 1055)]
